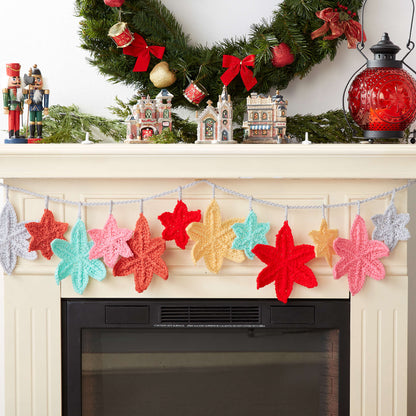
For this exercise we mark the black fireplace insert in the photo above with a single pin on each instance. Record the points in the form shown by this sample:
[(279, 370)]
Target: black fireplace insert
[(205, 357)]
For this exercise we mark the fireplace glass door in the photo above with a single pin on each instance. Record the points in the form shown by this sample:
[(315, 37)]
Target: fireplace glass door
[(208, 369)]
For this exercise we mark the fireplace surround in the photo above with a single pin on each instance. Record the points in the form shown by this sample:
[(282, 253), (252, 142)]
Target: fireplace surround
[(291, 174)]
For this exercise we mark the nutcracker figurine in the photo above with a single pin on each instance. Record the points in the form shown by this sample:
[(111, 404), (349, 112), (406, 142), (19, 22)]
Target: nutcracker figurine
[(38, 101), (13, 103)]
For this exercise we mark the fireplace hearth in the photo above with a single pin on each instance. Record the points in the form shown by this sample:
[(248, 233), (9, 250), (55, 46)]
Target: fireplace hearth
[(187, 357)]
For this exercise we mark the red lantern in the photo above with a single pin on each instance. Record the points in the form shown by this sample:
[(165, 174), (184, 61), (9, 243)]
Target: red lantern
[(382, 98)]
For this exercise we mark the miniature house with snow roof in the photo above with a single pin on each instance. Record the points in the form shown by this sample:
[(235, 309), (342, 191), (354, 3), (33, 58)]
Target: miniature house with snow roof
[(215, 125)]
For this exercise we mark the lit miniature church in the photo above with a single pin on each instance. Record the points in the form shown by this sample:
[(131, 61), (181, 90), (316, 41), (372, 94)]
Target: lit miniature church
[(266, 119), (215, 125), (152, 116)]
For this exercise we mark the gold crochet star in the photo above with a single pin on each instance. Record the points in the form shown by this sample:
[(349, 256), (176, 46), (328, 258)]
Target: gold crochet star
[(214, 239), (324, 241)]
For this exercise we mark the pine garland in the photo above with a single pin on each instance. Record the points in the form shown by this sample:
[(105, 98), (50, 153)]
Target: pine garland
[(292, 23)]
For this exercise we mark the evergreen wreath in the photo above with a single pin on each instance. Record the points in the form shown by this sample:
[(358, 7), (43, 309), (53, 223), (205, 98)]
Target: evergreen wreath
[(292, 23)]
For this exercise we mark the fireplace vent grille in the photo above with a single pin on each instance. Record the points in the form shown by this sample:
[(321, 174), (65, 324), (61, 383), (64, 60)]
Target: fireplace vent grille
[(210, 315)]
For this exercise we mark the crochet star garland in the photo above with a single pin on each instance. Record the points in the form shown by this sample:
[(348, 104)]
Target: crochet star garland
[(175, 223), (324, 241), (359, 256), (44, 232), (13, 239), (75, 259), (285, 264), (214, 238), (146, 259)]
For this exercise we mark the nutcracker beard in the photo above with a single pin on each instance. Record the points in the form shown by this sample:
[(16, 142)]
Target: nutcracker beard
[(37, 96)]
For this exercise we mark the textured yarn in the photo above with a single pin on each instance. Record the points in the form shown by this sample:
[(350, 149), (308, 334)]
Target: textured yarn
[(359, 256), (110, 242), (285, 264), (13, 239), (75, 259), (44, 232), (146, 259), (214, 239), (324, 241)]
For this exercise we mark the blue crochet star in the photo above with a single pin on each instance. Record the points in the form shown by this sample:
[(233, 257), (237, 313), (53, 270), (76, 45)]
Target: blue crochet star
[(75, 259), (249, 234)]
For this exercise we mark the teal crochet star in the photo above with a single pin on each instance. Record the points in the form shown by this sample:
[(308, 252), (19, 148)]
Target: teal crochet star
[(249, 234), (75, 259)]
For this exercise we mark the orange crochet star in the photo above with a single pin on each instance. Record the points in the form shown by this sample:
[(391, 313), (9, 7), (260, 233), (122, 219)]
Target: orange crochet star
[(324, 241), (44, 232)]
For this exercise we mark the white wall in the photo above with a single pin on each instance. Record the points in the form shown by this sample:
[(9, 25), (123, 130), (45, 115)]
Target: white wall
[(45, 33)]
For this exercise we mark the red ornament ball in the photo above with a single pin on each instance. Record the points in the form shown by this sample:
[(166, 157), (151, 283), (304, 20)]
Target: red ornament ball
[(114, 3), (282, 55)]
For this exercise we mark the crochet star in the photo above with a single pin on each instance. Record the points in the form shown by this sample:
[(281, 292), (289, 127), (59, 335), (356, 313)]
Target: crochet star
[(214, 239), (391, 227), (75, 259), (146, 259), (44, 232), (13, 239), (175, 223), (324, 241), (110, 242), (359, 256), (249, 234), (285, 264)]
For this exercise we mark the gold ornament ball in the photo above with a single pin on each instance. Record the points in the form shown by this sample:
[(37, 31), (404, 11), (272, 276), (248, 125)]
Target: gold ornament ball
[(161, 76)]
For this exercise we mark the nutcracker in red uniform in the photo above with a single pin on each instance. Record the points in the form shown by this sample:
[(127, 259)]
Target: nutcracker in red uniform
[(13, 102)]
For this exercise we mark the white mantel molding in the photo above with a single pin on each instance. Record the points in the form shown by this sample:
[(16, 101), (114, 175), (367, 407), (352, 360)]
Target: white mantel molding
[(390, 161)]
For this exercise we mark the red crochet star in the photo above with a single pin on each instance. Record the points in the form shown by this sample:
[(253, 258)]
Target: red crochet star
[(44, 232), (146, 258), (175, 223), (285, 264)]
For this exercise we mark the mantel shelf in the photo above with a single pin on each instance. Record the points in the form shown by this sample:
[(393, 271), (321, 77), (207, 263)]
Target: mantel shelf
[(393, 161)]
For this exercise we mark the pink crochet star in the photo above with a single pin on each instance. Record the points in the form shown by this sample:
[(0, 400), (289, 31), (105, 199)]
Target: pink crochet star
[(110, 242), (359, 256)]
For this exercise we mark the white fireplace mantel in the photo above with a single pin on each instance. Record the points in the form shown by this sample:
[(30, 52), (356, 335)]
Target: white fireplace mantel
[(289, 174)]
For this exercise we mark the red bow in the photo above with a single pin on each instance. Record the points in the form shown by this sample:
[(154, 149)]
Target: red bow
[(339, 23), (140, 49), (236, 66)]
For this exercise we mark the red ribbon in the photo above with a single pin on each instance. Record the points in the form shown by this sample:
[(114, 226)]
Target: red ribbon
[(237, 66), (140, 48), (350, 28)]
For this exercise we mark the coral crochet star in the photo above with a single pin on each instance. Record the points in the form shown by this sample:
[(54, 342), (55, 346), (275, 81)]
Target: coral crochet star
[(146, 259), (13, 239), (110, 242), (324, 241), (359, 256), (285, 264), (391, 227), (214, 239), (44, 232), (249, 234), (175, 223), (75, 259)]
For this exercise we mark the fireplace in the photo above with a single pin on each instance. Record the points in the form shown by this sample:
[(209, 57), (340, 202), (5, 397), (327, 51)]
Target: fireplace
[(205, 357)]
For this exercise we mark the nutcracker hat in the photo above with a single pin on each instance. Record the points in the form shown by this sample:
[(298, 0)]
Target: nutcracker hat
[(13, 70)]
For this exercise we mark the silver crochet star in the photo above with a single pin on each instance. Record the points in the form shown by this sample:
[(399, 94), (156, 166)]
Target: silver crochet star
[(391, 227), (13, 239)]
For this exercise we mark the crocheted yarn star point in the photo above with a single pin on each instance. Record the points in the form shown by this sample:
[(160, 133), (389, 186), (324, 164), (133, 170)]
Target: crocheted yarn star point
[(359, 256), (249, 234), (75, 259), (110, 242), (146, 259), (175, 223), (44, 232), (214, 238), (391, 227), (324, 241), (13, 239), (285, 264)]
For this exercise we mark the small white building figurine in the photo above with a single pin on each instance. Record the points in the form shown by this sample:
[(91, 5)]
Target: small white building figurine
[(215, 125), (266, 119)]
